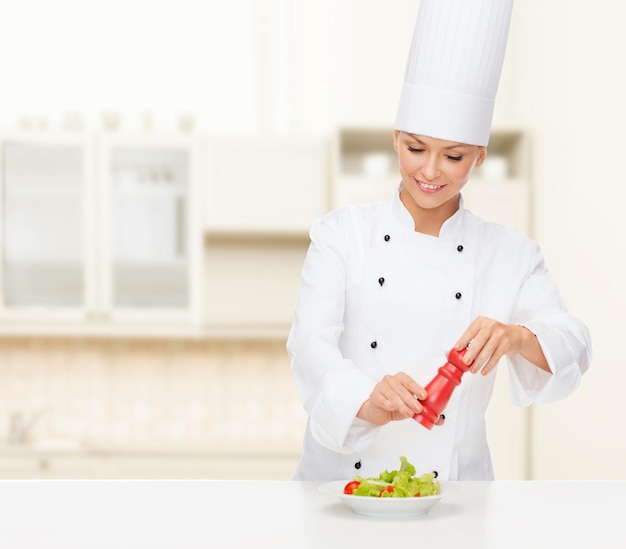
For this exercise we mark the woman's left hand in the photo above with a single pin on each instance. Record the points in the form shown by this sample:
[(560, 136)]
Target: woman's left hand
[(488, 340)]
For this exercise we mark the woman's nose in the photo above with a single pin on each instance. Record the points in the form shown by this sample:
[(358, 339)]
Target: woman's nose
[(430, 169)]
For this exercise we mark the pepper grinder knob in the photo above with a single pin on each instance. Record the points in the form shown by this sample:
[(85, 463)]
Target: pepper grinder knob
[(440, 389)]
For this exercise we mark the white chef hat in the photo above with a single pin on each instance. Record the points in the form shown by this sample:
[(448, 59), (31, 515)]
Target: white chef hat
[(453, 70)]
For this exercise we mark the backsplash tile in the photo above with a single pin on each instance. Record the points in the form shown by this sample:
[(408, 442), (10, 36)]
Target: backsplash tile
[(236, 396)]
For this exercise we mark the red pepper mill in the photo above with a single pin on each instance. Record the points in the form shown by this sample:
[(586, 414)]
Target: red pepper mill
[(439, 390)]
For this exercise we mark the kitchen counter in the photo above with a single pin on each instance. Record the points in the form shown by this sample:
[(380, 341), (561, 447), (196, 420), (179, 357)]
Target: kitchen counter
[(185, 514)]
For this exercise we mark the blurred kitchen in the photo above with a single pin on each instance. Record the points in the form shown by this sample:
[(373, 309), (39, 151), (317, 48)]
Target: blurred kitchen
[(161, 163)]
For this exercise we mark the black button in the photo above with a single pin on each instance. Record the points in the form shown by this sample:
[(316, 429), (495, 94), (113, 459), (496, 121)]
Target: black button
[(436, 474), (458, 295), (373, 345), (387, 237), (381, 280), (459, 248), (357, 465)]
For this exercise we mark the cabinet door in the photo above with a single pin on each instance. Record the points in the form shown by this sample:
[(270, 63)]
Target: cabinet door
[(265, 183), (365, 165), (251, 287), (150, 248), (46, 223), (500, 190)]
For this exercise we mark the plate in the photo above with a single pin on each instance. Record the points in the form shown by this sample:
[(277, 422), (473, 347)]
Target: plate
[(386, 507)]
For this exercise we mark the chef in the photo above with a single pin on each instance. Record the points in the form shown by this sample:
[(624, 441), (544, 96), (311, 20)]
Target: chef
[(388, 288)]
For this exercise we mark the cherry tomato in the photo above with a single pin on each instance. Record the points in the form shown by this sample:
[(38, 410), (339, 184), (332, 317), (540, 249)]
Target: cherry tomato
[(385, 489), (417, 495), (351, 486)]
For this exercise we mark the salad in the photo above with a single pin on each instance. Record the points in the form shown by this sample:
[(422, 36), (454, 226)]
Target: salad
[(395, 484)]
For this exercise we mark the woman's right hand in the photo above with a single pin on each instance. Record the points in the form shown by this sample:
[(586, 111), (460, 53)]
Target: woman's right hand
[(394, 397)]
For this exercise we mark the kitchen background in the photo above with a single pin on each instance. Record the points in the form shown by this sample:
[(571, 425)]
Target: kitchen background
[(161, 165)]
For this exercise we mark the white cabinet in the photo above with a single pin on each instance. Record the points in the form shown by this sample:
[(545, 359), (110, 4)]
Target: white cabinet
[(262, 194), (252, 285), (364, 164), (148, 235), (500, 190), (151, 234), (265, 184), (47, 186), (101, 233)]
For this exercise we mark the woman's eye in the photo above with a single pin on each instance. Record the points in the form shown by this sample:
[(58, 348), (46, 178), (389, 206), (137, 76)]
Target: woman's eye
[(414, 150), (455, 158)]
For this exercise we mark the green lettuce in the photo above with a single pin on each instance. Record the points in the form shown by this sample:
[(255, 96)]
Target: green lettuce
[(400, 483)]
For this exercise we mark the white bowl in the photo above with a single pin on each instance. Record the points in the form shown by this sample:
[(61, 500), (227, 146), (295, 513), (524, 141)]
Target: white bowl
[(386, 507)]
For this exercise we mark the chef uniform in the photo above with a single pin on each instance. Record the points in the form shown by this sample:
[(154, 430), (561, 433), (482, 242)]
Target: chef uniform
[(376, 297)]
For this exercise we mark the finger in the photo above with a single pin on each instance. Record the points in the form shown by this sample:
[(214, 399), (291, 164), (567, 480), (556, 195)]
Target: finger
[(489, 356), (414, 405), (476, 354), (411, 386), (409, 391), (406, 402), (387, 399), (493, 360), (466, 339), (469, 334), (479, 364), (412, 394), (399, 393), (410, 402), (406, 408), (489, 367)]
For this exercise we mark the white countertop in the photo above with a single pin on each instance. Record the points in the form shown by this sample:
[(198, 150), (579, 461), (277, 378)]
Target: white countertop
[(284, 514)]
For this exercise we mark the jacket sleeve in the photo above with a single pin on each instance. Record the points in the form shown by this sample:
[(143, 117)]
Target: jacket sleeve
[(331, 387), (564, 340)]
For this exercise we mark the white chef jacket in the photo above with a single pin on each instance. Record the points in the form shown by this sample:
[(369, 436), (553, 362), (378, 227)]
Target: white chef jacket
[(376, 297)]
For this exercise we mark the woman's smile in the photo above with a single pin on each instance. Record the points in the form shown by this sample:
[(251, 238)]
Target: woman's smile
[(428, 187)]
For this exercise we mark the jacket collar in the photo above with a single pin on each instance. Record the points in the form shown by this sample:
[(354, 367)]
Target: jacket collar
[(451, 226)]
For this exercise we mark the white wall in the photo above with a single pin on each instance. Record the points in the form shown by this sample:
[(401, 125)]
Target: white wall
[(572, 100), (131, 56), (227, 64), (236, 65)]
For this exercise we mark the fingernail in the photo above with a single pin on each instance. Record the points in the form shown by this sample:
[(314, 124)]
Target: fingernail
[(423, 394)]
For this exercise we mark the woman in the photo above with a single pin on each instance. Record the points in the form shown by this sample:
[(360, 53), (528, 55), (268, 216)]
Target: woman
[(389, 288)]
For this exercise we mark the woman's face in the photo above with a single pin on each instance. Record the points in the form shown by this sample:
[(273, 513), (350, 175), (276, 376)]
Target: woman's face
[(434, 171)]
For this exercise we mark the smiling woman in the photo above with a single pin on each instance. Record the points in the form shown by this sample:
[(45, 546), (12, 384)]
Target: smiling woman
[(388, 288), (433, 171)]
